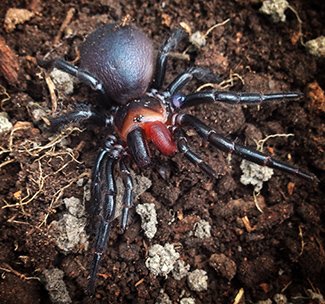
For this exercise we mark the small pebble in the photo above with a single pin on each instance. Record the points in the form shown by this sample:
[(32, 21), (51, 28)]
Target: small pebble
[(5, 124), (280, 298), (149, 221), (63, 81), (180, 270), (316, 46), (162, 259), (223, 265), (163, 298), (187, 301), (254, 174), (202, 229), (15, 16), (198, 280), (276, 9), (56, 287)]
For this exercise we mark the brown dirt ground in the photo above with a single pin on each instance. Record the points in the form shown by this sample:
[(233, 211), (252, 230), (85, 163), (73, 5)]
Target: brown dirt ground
[(283, 253)]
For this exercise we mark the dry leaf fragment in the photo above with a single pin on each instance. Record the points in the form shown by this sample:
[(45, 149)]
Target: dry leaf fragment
[(17, 195), (9, 64), (291, 186), (166, 19), (295, 37), (265, 287), (317, 96), (247, 224)]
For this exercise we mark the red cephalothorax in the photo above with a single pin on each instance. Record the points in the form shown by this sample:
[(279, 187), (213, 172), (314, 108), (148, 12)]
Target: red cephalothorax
[(149, 115)]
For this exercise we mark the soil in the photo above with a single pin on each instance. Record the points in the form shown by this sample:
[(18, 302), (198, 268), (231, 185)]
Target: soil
[(279, 251)]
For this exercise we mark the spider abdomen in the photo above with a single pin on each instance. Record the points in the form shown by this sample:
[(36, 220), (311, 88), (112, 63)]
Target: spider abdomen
[(121, 57)]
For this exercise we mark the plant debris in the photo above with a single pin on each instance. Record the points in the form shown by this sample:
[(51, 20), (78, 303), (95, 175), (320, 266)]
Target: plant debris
[(9, 64)]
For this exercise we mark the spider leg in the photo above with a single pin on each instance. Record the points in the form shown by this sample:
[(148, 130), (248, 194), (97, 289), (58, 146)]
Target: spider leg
[(211, 96), (169, 45), (227, 145), (82, 75), (190, 155), (107, 197), (96, 174), (83, 113), (128, 194), (199, 73)]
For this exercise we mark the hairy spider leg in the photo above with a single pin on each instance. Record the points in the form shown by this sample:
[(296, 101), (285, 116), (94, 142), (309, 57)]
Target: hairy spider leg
[(83, 113), (227, 145), (107, 201), (82, 75), (211, 96), (127, 201), (170, 44), (190, 155)]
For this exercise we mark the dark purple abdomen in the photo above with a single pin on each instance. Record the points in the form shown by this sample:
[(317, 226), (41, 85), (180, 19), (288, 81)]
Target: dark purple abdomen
[(122, 58)]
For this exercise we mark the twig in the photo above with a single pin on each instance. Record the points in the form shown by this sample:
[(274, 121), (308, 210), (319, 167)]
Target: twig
[(51, 87), (7, 162), (299, 24), (4, 92), (225, 84), (215, 26), (9, 269), (260, 143), (59, 194), (301, 240), (64, 24), (239, 296)]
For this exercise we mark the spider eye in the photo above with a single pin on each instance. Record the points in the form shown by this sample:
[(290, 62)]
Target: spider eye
[(178, 100)]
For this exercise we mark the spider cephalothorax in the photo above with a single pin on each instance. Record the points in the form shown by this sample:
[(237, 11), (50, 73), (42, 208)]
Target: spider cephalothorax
[(118, 61)]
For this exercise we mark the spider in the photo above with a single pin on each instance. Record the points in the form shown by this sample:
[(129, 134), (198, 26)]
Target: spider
[(118, 61)]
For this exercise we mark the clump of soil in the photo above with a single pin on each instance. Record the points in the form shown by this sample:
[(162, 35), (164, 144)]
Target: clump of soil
[(261, 247)]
